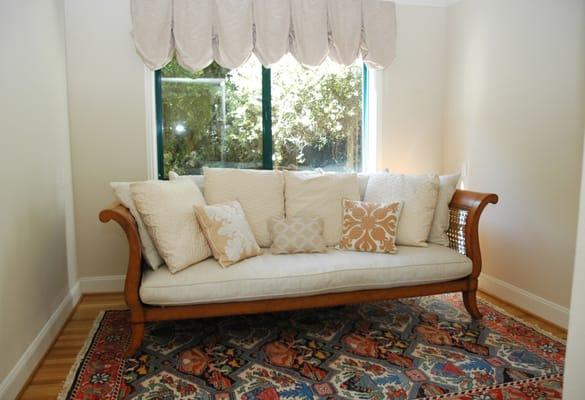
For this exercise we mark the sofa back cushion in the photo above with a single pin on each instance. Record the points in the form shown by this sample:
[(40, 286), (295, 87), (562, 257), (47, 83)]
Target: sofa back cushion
[(419, 194), (447, 187), (149, 252), (196, 179), (260, 193), (314, 194), (166, 209)]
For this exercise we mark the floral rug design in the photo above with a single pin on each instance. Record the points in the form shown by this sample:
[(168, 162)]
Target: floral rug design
[(414, 348)]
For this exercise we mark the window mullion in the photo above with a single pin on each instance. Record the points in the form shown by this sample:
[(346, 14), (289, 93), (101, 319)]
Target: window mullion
[(266, 119), (159, 123)]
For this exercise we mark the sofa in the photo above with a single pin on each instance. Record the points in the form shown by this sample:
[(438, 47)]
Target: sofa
[(277, 282)]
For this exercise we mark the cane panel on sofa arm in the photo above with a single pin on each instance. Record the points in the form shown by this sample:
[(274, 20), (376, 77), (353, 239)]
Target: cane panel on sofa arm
[(463, 233)]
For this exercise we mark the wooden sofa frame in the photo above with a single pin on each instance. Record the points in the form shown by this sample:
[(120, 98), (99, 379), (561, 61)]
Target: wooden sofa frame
[(465, 210)]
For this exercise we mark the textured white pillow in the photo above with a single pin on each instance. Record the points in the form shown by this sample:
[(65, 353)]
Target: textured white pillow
[(260, 193), (167, 211), (419, 194), (313, 194), (122, 192), (447, 187)]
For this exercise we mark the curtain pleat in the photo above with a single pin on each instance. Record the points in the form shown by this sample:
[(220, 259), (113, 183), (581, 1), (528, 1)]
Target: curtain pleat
[(345, 25), (309, 42), (233, 26), (152, 22), (378, 33), (193, 33), (229, 31), (272, 23)]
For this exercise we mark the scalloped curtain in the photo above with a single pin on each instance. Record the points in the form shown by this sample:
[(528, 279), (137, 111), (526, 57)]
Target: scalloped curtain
[(198, 32)]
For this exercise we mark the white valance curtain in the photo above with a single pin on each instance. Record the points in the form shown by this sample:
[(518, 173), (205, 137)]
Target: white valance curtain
[(229, 31)]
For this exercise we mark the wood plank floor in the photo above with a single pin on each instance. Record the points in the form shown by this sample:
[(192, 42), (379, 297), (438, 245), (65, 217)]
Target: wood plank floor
[(48, 379)]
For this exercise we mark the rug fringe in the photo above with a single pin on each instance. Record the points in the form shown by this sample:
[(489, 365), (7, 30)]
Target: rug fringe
[(491, 387), (80, 357)]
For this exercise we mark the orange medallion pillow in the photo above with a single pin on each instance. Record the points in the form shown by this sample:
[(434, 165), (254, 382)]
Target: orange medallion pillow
[(370, 227)]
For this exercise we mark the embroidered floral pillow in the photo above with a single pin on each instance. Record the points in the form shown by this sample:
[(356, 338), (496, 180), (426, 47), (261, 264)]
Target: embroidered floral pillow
[(297, 235), (228, 233), (370, 227)]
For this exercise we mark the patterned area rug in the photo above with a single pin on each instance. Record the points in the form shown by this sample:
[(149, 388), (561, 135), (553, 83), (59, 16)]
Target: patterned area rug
[(405, 349)]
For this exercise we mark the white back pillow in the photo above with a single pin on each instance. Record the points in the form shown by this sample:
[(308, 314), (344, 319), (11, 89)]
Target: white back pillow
[(166, 209), (314, 194), (447, 187), (259, 192), (419, 194), (149, 252)]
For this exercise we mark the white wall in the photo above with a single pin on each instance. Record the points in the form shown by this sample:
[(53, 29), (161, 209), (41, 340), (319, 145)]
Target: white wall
[(574, 385), (108, 120), (36, 267), (413, 94), (514, 120), (108, 124)]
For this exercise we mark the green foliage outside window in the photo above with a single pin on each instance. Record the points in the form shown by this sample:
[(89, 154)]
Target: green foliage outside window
[(214, 117)]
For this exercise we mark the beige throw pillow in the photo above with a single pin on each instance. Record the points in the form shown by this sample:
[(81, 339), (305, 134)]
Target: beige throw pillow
[(167, 211), (228, 232), (419, 194), (297, 235), (149, 252), (260, 193), (370, 227), (314, 194), (447, 187)]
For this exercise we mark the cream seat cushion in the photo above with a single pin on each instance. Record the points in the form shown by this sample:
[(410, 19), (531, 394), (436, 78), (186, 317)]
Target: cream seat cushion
[(291, 275), (260, 192)]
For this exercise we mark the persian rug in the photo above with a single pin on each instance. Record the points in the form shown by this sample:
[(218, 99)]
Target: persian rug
[(424, 347)]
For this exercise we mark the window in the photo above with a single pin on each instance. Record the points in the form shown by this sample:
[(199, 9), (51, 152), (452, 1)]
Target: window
[(287, 116)]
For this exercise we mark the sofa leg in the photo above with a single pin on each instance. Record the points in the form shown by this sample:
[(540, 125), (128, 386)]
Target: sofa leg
[(135, 339), (470, 301)]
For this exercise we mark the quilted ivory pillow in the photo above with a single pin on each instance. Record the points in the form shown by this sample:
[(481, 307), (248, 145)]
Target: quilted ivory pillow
[(370, 227), (313, 194), (297, 235), (419, 194), (447, 187), (227, 232), (167, 211), (122, 192), (260, 193)]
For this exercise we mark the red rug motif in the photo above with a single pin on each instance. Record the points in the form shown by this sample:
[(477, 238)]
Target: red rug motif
[(405, 349)]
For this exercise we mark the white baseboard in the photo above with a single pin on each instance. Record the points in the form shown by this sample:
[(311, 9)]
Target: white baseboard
[(102, 284), (525, 300), (21, 372)]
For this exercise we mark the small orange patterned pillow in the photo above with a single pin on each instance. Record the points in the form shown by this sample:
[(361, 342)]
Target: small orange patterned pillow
[(370, 227)]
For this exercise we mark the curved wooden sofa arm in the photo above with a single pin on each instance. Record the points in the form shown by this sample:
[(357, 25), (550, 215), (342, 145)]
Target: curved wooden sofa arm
[(465, 209), (124, 218)]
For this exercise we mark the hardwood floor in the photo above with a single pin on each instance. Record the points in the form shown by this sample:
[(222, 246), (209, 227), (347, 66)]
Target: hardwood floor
[(47, 381)]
